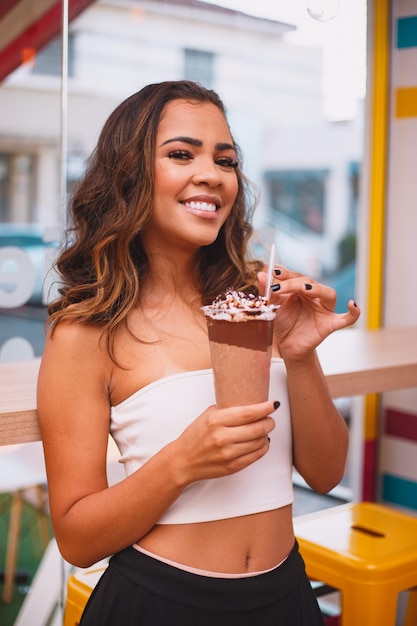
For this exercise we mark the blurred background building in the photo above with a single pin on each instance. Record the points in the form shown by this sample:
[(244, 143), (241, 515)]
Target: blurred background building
[(305, 165)]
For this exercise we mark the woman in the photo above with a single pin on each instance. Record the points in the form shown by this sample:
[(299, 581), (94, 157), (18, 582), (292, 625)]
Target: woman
[(160, 227)]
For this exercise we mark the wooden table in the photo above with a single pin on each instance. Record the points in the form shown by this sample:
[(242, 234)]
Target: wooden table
[(358, 361), (355, 361), (18, 416)]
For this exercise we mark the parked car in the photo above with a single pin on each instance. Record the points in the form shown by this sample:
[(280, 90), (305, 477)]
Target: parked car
[(29, 239)]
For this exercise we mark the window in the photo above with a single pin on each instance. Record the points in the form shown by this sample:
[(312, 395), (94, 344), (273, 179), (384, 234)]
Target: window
[(354, 178), (4, 188), (299, 195), (48, 60), (199, 66), (17, 187)]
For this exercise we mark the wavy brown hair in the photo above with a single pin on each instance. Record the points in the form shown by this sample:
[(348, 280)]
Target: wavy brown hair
[(103, 260)]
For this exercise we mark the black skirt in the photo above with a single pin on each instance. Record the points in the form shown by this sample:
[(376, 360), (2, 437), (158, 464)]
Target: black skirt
[(137, 590)]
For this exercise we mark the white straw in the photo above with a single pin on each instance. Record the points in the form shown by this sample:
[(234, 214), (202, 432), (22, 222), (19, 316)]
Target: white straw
[(270, 268)]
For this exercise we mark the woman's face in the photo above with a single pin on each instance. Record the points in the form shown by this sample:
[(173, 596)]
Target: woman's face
[(195, 178)]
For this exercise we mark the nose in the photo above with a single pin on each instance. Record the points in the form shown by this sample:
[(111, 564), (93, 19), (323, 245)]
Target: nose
[(208, 173)]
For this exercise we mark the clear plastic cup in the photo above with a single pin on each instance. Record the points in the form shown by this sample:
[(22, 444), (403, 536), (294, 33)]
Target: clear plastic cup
[(241, 349)]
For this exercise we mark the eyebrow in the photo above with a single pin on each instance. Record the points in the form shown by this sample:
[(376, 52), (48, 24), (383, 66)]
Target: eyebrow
[(198, 143)]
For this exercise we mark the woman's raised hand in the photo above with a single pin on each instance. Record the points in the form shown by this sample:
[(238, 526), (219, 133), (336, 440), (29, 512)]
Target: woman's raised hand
[(306, 315)]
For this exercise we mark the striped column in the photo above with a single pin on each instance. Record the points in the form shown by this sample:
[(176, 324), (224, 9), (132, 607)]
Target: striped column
[(398, 442), (398, 458)]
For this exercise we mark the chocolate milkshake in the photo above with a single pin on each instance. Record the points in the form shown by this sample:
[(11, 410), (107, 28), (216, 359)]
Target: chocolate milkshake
[(240, 329)]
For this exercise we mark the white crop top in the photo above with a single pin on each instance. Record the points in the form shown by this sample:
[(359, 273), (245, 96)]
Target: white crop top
[(157, 414)]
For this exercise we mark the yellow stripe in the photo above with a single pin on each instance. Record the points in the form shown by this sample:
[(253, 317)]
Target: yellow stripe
[(371, 417), (379, 96), (406, 102), (378, 161)]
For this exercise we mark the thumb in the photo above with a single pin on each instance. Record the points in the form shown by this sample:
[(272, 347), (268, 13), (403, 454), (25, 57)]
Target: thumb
[(349, 318)]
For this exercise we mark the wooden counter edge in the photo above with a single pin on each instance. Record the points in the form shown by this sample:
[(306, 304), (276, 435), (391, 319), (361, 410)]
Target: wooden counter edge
[(348, 384), (19, 427)]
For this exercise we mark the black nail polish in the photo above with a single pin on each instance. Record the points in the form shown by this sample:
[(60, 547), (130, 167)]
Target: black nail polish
[(276, 287), (354, 304), (269, 439), (277, 403), (308, 286), (277, 272)]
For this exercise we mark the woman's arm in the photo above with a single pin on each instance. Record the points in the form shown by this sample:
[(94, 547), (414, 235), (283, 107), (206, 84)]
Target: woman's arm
[(305, 318), (320, 435), (91, 520)]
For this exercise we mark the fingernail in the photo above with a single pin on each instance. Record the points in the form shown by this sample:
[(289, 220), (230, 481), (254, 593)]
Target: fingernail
[(277, 404), (277, 272), (269, 439), (276, 287), (354, 304), (308, 286)]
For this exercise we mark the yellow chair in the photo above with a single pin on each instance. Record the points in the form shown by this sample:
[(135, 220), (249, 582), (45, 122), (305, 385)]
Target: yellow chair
[(369, 552), (79, 587)]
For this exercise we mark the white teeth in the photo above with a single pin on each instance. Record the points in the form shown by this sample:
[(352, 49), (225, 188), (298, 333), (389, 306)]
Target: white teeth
[(201, 206)]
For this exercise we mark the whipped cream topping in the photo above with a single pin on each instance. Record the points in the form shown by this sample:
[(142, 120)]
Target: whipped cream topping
[(236, 306)]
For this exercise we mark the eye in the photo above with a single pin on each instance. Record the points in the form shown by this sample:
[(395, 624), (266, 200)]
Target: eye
[(182, 155), (227, 162)]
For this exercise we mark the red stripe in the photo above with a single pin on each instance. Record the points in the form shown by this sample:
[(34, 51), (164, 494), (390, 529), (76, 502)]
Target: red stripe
[(400, 424), (41, 32), (369, 470), (6, 5)]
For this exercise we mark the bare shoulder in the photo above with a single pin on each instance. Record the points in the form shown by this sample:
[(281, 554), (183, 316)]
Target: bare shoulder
[(74, 337), (74, 363), (77, 344)]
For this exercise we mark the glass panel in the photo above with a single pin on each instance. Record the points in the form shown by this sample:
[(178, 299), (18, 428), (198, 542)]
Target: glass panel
[(273, 83), (302, 142)]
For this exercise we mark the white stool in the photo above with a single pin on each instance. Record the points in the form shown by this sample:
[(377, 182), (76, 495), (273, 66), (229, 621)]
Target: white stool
[(22, 468)]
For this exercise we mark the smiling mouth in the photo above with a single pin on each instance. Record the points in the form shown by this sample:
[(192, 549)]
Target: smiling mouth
[(210, 207)]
